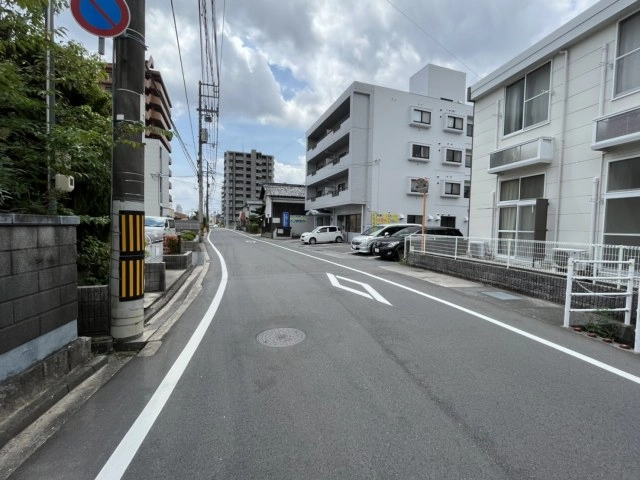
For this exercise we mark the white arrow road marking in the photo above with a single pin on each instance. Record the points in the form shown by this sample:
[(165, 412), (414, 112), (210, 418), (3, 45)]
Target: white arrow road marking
[(373, 295)]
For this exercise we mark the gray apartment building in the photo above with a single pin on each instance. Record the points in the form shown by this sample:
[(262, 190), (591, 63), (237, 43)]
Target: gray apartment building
[(244, 175)]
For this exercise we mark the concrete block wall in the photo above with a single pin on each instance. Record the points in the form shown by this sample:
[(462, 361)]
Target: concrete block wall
[(154, 277), (38, 289), (94, 310)]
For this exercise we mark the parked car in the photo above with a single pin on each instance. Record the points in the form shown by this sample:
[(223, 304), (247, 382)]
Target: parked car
[(324, 234), (393, 245), (364, 242), (155, 228)]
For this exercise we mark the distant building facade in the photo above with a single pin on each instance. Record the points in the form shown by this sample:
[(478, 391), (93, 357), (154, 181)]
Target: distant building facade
[(368, 151), (244, 175), (158, 199), (557, 135)]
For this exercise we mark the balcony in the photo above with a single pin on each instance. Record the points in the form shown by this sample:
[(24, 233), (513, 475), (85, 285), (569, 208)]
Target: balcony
[(334, 164), (534, 152), (329, 199), (618, 129)]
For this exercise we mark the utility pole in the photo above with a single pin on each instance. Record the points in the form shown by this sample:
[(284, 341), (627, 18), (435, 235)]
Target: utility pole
[(203, 137), (127, 183)]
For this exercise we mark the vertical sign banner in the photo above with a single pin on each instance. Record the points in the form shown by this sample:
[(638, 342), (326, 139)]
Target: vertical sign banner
[(285, 219), (131, 255)]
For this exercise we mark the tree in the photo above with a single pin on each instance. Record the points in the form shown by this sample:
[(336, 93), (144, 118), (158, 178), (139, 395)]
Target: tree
[(80, 141)]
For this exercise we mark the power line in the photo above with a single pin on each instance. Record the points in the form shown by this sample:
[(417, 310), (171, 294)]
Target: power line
[(184, 81), (432, 38)]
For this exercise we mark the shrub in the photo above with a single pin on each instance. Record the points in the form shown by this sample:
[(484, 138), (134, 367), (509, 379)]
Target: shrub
[(171, 244), (94, 261), (188, 235)]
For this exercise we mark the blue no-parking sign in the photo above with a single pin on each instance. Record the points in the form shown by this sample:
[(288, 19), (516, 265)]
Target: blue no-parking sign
[(104, 18)]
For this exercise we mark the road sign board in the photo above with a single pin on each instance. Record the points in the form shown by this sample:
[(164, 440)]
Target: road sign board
[(104, 18)]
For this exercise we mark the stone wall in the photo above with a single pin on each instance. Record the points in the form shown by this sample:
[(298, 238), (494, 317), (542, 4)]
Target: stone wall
[(38, 289)]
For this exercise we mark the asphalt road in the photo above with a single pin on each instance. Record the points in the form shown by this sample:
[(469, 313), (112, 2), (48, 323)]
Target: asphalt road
[(396, 377)]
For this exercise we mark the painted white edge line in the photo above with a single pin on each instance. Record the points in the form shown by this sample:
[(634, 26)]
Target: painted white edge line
[(530, 336), (127, 448)]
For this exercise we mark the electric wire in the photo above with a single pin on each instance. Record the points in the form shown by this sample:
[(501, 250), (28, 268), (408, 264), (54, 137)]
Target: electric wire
[(184, 81), (432, 38)]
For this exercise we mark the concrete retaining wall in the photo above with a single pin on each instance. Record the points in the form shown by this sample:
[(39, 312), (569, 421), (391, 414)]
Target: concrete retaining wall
[(38, 289), (548, 287), (178, 262)]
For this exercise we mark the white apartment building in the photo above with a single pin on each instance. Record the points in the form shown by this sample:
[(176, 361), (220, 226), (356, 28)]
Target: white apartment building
[(158, 200), (366, 152), (557, 135)]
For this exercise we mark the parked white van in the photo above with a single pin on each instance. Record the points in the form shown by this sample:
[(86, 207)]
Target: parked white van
[(157, 227), (364, 242)]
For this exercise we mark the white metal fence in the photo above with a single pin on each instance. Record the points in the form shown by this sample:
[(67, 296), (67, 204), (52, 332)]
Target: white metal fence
[(600, 261)]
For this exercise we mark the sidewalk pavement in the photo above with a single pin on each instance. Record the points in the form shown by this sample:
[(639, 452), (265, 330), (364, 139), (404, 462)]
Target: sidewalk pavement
[(26, 397)]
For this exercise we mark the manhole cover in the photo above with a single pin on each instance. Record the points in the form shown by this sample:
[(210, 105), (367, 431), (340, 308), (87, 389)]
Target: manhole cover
[(281, 337)]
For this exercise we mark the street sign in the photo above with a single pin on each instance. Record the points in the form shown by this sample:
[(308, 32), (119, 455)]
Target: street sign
[(104, 18), (421, 185)]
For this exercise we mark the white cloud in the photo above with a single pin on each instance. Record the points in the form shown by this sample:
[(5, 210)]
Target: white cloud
[(326, 46)]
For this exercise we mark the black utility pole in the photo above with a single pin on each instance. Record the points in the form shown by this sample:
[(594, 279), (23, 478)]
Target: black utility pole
[(127, 199)]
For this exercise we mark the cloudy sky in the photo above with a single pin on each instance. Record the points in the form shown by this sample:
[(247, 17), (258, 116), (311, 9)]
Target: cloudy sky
[(283, 62)]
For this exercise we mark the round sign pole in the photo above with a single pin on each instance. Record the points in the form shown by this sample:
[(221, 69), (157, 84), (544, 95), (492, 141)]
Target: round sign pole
[(422, 186)]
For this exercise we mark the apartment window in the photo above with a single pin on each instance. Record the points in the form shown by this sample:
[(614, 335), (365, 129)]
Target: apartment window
[(420, 152), (467, 158), (454, 123), (621, 225), (342, 187), (467, 189), (627, 70), (420, 118), (517, 208), (453, 156), (527, 100), (451, 189)]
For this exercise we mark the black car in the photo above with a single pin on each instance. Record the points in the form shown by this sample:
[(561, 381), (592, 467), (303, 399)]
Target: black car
[(393, 246)]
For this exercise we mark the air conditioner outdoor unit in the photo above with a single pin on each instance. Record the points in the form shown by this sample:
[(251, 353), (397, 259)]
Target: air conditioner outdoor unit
[(561, 258), (479, 249)]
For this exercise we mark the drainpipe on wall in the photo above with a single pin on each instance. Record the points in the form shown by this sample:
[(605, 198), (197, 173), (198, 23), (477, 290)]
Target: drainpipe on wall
[(603, 80), (494, 210), (594, 210), (498, 104), (556, 233)]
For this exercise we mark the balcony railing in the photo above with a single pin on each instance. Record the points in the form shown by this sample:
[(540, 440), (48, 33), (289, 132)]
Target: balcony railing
[(617, 129), (537, 151)]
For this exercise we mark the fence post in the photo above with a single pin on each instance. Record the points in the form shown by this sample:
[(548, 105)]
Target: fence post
[(620, 257), (629, 297), (508, 253), (636, 344), (567, 295), (455, 246)]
